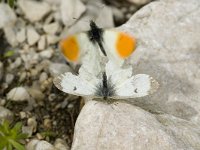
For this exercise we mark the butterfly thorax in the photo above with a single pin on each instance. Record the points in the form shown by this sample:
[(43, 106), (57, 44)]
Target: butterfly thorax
[(105, 89)]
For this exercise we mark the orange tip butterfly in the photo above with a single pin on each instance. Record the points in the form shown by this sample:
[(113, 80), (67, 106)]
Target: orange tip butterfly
[(114, 44), (113, 83)]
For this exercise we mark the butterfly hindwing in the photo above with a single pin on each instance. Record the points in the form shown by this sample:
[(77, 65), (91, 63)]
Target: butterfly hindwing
[(137, 86)]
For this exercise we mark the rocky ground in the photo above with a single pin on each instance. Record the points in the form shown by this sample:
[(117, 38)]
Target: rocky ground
[(30, 58)]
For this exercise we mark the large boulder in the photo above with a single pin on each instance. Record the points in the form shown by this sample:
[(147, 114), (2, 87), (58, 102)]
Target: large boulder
[(167, 34)]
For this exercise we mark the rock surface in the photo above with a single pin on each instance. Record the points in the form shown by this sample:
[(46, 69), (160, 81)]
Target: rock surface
[(32, 36), (7, 16), (139, 2), (10, 35), (164, 52), (33, 10), (21, 35), (167, 34), (61, 145), (71, 10), (39, 145), (5, 114)]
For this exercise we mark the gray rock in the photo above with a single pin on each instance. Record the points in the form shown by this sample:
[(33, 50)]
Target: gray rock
[(31, 58), (61, 145), (163, 51), (183, 130), (10, 35), (46, 53), (32, 36), (36, 94), (139, 2), (7, 16), (53, 2), (42, 43), (27, 130), (5, 114), (51, 28), (16, 63), (31, 122), (168, 50), (43, 77), (21, 35), (119, 126), (52, 39), (39, 145), (18, 94), (33, 10), (9, 78), (71, 10), (105, 18), (94, 12)]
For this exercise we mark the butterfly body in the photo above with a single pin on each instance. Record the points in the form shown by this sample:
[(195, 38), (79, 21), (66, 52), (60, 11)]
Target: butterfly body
[(105, 88)]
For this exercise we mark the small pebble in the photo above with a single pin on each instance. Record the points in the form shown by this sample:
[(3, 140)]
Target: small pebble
[(32, 123), (46, 53), (22, 115), (51, 97), (9, 78), (18, 94), (61, 145), (42, 43), (39, 136), (43, 77), (5, 114), (70, 106), (47, 123), (2, 102), (51, 28)]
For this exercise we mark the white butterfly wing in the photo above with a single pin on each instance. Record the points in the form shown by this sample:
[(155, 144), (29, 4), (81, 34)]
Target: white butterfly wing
[(116, 74), (75, 85), (137, 86)]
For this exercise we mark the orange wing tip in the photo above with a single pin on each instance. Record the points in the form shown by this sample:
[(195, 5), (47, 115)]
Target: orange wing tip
[(70, 48), (125, 45)]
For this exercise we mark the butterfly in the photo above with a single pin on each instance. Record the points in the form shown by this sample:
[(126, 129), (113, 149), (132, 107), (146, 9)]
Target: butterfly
[(113, 44), (112, 83)]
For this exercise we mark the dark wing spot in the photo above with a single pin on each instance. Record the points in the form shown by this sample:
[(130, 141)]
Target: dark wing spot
[(75, 89), (136, 90)]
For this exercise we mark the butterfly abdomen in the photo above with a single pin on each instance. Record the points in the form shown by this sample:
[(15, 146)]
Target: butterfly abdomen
[(105, 89)]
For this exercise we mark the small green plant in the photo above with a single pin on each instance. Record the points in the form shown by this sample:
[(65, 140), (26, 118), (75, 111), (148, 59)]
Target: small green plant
[(9, 53), (11, 136), (48, 134)]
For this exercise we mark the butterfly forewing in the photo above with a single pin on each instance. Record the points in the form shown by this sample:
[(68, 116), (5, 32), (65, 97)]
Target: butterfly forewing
[(75, 85)]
